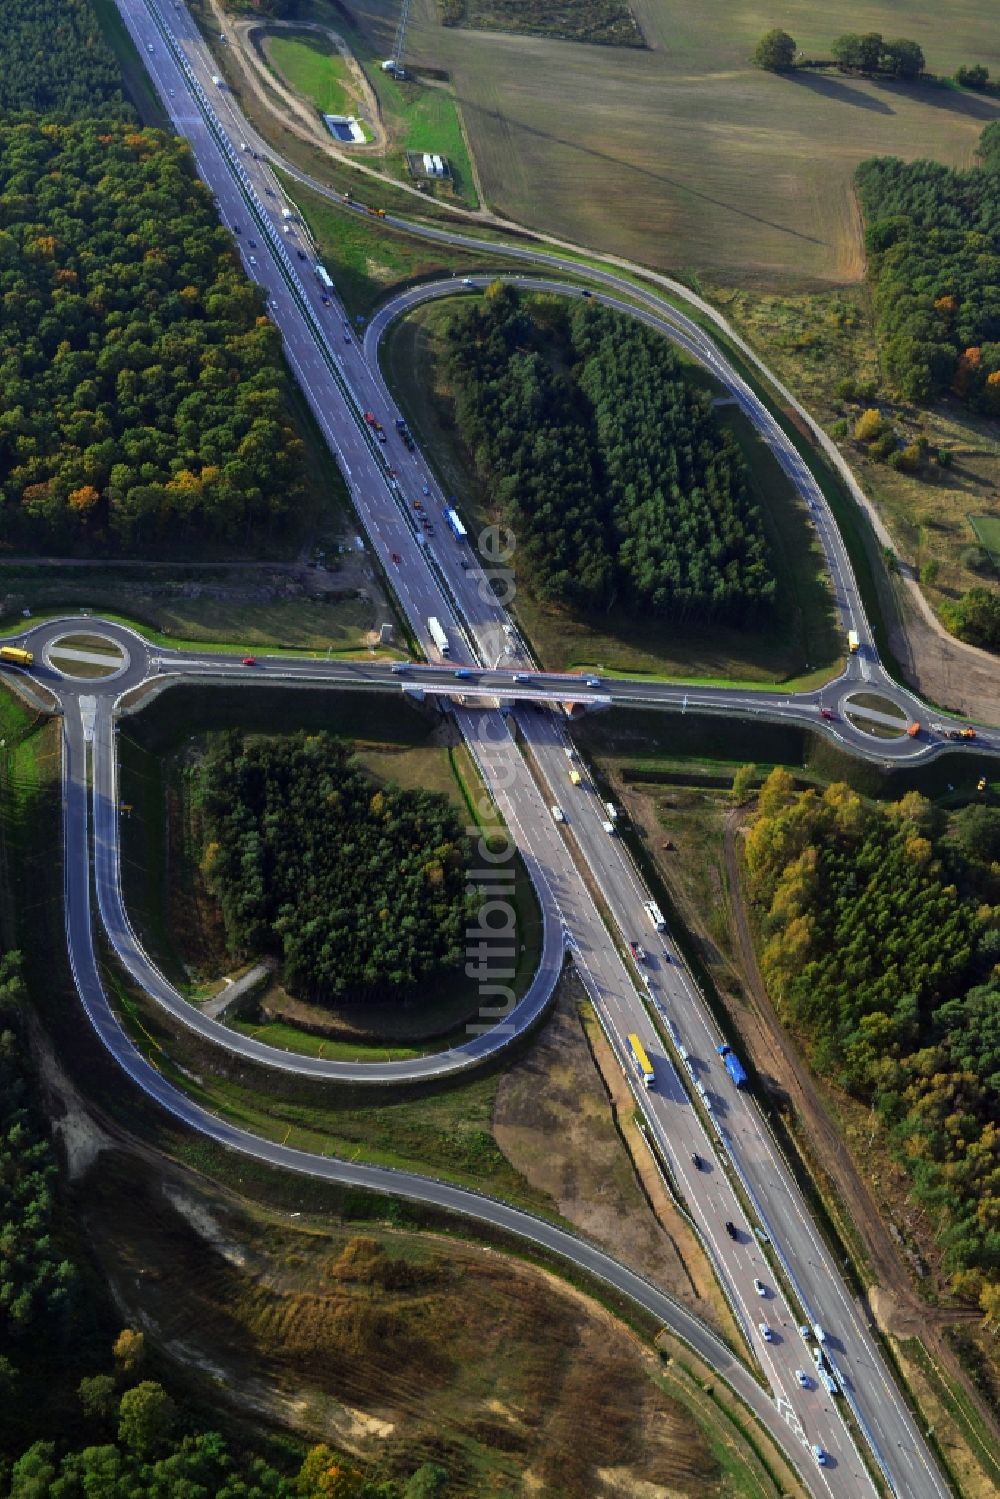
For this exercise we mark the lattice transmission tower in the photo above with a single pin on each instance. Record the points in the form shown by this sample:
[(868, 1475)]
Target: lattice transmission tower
[(400, 42)]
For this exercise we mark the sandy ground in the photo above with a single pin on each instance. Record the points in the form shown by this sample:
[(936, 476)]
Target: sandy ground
[(564, 1118)]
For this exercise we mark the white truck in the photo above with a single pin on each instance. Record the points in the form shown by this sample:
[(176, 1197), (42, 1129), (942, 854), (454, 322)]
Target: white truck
[(655, 915), (438, 635)]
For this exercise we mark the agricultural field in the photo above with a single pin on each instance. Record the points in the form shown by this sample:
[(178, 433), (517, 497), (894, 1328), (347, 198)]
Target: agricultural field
[(683, 155), (609, 22)]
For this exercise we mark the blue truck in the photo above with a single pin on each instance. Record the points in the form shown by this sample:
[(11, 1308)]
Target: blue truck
[(733, 1065)]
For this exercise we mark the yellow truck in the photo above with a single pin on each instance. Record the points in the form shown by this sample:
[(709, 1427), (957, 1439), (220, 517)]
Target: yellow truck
[(852, 641), (15, 656)]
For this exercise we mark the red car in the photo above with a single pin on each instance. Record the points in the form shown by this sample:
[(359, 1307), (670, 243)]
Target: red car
[(827, 713), (370, 418), (249, 660), (396, 558)]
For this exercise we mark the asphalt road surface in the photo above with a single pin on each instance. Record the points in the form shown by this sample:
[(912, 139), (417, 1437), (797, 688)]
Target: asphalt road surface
[(342, 386)]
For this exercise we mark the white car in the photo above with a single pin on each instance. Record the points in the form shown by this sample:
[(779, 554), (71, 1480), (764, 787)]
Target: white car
[(820, 1456), (803, 1379), (765, 1331), (760, 1288), (253, 260), (558, 814), (149, 46)]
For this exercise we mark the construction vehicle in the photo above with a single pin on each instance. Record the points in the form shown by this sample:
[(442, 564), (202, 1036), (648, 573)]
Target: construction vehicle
[(967, 733), (852, 641), (16, 656)]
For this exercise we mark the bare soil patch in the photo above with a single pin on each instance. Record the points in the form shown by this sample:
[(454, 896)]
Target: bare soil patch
[(564, 1117), (396, 1346)]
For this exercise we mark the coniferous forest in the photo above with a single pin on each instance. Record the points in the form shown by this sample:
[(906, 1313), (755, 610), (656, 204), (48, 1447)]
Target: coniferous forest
[(359, 888), (881, 947), (608, 466)]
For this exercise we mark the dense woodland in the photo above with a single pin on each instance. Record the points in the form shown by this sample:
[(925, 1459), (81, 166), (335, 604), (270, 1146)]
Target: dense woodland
[(141, 394), (881, 948), (360, 888), (933, 241), (609, 467), (36, 1280), (55, 62)]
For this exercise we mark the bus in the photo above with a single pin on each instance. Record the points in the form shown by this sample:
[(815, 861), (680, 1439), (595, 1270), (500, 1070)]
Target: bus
[(323, 277), (642, 1063), (16, 656), (455, 523)]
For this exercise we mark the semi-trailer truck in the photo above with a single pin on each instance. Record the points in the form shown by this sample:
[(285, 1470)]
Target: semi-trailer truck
[(655, 915), (438, 636), (642, 1063), (733, 1065), (455, 523)]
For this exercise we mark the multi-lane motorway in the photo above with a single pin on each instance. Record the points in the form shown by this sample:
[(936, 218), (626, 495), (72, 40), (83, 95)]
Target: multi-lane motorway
[(342, 382)]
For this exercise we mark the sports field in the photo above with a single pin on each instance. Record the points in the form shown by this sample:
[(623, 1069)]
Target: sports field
[(683, 156)]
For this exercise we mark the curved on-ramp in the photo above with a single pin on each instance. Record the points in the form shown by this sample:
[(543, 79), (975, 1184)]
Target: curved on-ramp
[(380, 1179), (114, 916)]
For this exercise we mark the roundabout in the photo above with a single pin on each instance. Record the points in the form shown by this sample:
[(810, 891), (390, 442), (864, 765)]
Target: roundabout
[(87, 657)]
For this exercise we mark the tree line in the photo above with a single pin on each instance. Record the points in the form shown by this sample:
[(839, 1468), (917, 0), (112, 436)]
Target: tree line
[(142, 397), (55, 62), (36, 1279), (933, 240), (360, 888), (867, 53), (142, 1443), (880, 943), (609, 467)]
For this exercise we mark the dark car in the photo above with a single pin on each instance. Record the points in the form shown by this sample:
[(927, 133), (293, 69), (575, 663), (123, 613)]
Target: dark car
[(731, 1230), (252, 243), (301, 254), (697, 1162), (396, 558)]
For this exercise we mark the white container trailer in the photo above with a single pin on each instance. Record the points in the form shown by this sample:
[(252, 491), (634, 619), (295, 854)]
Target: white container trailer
[(438, 635)]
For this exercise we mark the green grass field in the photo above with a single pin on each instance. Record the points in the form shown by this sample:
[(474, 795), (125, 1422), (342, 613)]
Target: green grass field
[(314, 69), (367, 261), (418, 114), (683, 155), (987, 528)]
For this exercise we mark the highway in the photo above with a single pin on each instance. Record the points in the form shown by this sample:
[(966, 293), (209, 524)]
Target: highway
[(341, 385), (81, 732)]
